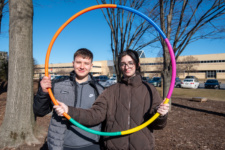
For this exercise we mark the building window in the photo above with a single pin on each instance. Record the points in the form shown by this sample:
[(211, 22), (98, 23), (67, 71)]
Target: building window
[(97, 67), (210, 74)]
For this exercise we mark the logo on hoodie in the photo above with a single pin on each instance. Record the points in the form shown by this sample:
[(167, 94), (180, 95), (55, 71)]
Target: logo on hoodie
[(91, 95)]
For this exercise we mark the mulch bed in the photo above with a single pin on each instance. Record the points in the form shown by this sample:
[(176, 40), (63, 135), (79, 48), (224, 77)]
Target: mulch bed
[(193, 125)]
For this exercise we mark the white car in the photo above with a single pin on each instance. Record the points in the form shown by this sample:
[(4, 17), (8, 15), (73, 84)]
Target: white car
[(111, 81), (54, 76), (190, 83)]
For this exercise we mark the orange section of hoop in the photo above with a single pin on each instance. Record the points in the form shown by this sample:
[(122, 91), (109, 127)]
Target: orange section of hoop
[(60, 30)]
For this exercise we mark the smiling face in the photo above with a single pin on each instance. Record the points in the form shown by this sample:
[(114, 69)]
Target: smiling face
[(82, 66), (127, 66)]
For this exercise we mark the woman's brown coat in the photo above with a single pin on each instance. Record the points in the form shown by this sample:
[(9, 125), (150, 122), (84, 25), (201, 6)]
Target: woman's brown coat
[(123, 106)]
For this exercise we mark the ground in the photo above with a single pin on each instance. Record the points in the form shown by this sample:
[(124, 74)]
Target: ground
[(191, 125)]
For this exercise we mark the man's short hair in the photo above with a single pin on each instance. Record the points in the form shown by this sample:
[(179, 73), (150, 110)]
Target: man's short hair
[(83, 52)]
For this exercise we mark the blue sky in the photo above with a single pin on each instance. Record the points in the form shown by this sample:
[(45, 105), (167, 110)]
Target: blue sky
[(90, 30)]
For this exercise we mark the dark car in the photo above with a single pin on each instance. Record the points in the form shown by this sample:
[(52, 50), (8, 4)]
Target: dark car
[(156, 81), (61, 77), (177, 82), (101, 78), (212, 83), (145, 79)]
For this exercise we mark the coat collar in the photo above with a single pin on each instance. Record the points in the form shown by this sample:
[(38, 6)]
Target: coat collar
[(73, 77), (133, 81)]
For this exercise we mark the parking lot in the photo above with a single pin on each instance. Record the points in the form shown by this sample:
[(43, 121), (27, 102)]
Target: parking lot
[(201, 84)]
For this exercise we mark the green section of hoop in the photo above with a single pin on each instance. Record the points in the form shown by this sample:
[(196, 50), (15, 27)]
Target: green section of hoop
[(93, 131)]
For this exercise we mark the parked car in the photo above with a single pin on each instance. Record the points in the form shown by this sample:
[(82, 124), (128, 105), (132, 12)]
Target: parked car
[(177, 82), (54, 76), (145, 79), (101, 79), (61, 77), (190, 83), (111, 81), (193, 77), (156, 81), (212, 83)]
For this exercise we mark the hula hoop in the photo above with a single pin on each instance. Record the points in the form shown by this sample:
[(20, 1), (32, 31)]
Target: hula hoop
[(135, 129)]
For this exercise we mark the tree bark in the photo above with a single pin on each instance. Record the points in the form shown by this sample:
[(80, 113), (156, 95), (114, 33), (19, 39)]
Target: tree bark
[(18, 123)]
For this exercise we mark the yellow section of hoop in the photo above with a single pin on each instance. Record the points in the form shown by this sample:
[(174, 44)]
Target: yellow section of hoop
[(144, 124)]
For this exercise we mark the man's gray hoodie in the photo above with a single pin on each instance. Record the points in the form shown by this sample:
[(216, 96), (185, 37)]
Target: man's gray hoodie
[(61, 132)]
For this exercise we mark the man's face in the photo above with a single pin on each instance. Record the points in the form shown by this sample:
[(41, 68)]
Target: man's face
[(82, 66)]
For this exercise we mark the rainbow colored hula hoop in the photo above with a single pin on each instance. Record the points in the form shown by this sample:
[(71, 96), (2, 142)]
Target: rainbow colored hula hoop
[(129, 131)]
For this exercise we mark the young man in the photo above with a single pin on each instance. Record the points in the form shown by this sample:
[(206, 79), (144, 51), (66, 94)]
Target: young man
[(80, 91)]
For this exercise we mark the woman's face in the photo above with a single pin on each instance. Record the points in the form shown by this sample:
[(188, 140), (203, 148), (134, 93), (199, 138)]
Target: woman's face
[(127, 66)]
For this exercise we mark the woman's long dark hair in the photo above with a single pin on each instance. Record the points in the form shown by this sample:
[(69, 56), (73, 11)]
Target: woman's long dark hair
[(134, 55)]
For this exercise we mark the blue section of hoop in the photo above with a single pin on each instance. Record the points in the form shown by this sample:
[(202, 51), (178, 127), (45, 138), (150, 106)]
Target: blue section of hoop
[(145, 17)]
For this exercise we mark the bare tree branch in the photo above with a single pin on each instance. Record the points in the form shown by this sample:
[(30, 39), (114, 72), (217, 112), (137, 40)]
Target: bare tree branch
[(126, 30), (3, 3)]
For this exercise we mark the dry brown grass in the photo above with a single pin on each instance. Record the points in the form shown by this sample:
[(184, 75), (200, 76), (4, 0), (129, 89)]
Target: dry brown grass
[(212, 94)]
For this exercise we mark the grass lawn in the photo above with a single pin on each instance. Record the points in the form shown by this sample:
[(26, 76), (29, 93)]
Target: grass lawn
[(213, 94)]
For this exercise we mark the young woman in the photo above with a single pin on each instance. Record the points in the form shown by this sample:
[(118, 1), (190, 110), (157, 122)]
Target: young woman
[(123, 106)]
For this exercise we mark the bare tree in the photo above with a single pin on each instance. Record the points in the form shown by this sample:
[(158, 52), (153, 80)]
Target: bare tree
[(2, 6), (4, 69), (18, 123), (180, 70), (127, 30), (111, 71), (144, 66), (189, 63), (159, 61), (187, 21), (61, 72)]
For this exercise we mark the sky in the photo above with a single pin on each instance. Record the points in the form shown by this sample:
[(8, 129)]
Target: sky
[(89, 30)]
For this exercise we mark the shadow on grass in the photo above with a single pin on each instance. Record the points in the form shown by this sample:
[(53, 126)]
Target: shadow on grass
[(201, 110)]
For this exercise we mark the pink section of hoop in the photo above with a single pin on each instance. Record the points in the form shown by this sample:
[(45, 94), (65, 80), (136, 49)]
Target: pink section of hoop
[(173, 62)]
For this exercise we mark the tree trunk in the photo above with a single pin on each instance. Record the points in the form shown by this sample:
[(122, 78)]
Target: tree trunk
[(166, 85), (18, 123), (167, 72)]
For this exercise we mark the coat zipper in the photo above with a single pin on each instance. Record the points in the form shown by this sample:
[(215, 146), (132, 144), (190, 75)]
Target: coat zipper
[(81, 94), (75, 93), (129, 104), (129, 115)]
